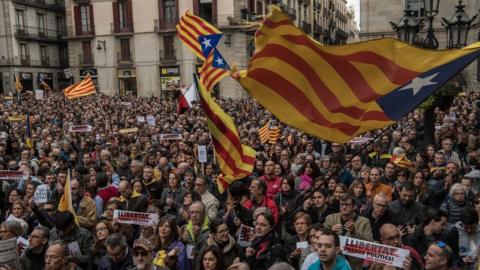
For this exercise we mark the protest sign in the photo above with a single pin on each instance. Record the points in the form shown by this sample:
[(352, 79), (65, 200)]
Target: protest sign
[(9, 253), (170, 137), (140, 119), (39, 94), (17, 118), (376, 253), (245, 236), (202, 153), (80, 128), (128, 130), (11, 175), (22, 246), (136, 218), (126, 103), (41, 194), (151, 120)]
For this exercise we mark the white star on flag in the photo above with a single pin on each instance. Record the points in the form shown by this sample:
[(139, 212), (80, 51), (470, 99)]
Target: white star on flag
[(219, 61), (206, 43), (418, 83)]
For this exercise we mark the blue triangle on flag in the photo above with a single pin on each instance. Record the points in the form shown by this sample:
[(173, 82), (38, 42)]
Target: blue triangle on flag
[(208, 43), (219, 61)]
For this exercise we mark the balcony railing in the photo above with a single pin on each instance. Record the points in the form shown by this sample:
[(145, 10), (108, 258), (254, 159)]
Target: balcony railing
[(306, 27), (317, 29), (72, 33), (164, 26), (40, 34), (121, 29), (342, 34), (292, 13), (58, 6), (85, 59), (125, 58), (25, 60), (45, 61), (168, 56)]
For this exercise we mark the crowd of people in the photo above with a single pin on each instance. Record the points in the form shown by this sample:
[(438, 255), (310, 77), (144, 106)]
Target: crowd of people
[(304, 193)]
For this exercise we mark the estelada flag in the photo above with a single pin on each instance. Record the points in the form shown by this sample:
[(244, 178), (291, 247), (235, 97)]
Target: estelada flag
[(235, 159), (83, 88), (339, 92)]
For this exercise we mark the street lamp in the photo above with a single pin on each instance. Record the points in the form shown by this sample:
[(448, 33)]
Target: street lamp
[(458, 26), (431, 11), (408, 27)]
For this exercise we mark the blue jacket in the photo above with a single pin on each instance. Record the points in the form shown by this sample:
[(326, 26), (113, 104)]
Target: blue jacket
[(340, 264)]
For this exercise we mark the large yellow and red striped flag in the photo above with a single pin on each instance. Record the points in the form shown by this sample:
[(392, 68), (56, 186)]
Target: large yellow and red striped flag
[(18, 84), (270, 134), (83, 88), (235, 159), (189, 29), (65, 203), (339, 92)]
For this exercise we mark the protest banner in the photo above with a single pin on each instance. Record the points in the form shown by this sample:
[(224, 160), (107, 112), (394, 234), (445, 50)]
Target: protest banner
[(41, 194), (9, 253), (373, 252), (170, 137), (39, 94), (80, 128), (140, 119), (128, 130), (17, 118), (126, 103), (11, 175), (22, 246), (151, 120), (245, 236), (135, 218)]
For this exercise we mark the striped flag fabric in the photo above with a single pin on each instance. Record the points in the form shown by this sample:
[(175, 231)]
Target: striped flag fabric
[(28, 132), (65, 203), (269, 133), (18, 84), (235, 160), (273, 135), (209, 75), (80, 89), (338, 92), (189, 30)]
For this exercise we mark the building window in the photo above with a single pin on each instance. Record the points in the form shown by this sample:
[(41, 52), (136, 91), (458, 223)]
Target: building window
[(206, 10), (125, 49), (259, 9), (169, 47), (19, 19), (417, 7), (63, 56), (87, 52), (60, 26), (169, 11), (41, 23), (43, 52), (85, 18), (23, 51), (122, 15)]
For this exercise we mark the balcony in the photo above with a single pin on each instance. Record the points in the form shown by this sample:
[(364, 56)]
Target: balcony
[(118, 29), (59, 6), (81, 34), (25, 60), (306, 27), (292, 13), (167, 56), (85, 60), (39, 34), (125, 59), (342, 34), (164, 26), (45, 61), (317, 29)]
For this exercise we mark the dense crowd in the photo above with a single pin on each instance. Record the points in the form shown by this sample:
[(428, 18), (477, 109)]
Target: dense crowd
[(387, 187)]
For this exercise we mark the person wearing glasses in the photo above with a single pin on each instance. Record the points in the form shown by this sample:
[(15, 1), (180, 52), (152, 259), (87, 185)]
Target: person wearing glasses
[(143, 255), (379, 214), (34, 256), (119, 255), (103, 229), (439, 256), (211, 203), (45, 214)]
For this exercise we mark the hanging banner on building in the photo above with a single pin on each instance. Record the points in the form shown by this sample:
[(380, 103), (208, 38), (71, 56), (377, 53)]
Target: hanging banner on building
[(373, 252), (9, 253), (135, 218), (11, 175)]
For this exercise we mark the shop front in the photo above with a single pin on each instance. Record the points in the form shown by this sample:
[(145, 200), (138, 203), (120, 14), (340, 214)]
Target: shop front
[(170, 81), (46, 78), (127, 82), (26, 79)]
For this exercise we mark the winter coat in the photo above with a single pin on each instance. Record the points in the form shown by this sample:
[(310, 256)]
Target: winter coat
[(267, 253), (468, 243), (454, 209), (340, 264), (105, 263), (86, 213), (230, 251), (81, 236)]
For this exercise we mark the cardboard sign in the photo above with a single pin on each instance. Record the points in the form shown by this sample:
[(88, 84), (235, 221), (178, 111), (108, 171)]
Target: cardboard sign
[(41, 194), (202, 153), (151, 120), (170, 137), (128, 130), (74, 249), (135, 218), (376, 253), (246, 233), (126, 104), (9, 253), (140, 119), (22, 245), (302, 245), (80, 128), (39, 94), (11, 175)]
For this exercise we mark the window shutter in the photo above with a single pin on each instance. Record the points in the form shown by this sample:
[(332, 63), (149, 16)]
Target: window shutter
[(214, 11), (196, 7), (92, 22), (78, 21), (129, 16), (116, 19), (161, 15)]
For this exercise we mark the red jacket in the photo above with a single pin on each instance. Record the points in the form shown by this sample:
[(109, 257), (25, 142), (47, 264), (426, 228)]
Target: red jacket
[(269, 203), (273, 185)]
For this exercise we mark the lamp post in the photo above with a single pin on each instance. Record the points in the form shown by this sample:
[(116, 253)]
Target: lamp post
[(458, 26), (431, 11), (408, 27)]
